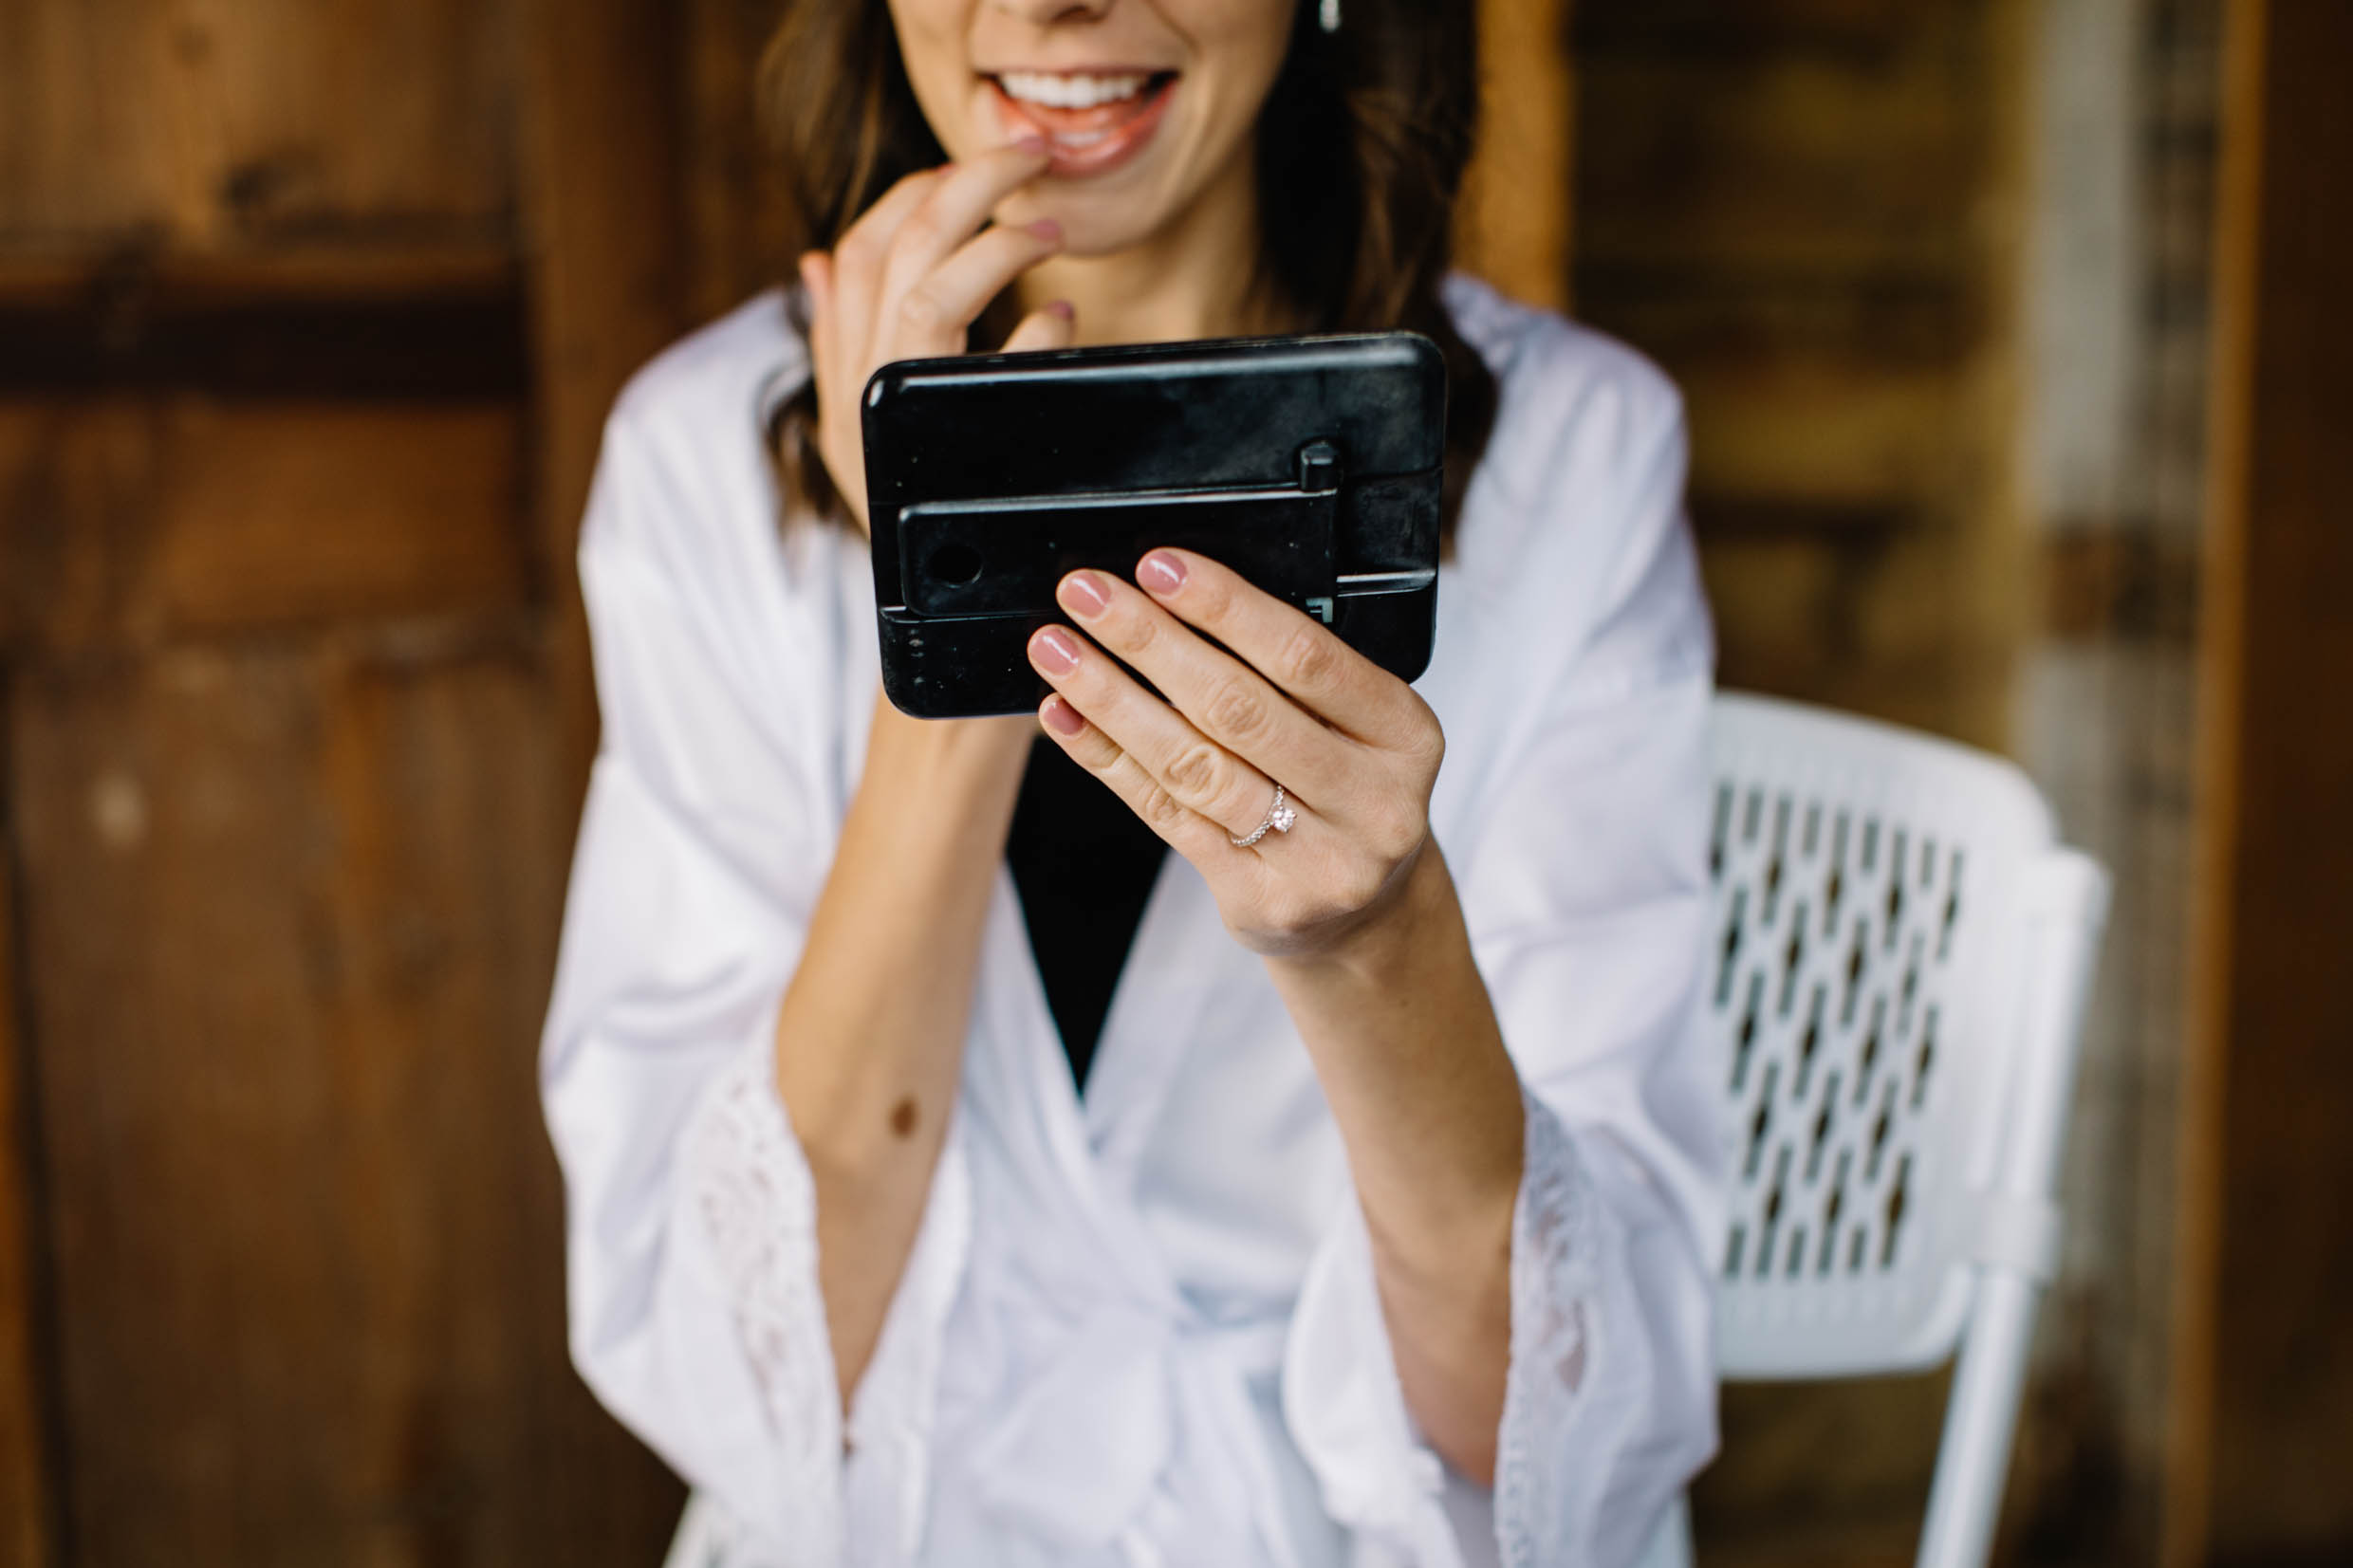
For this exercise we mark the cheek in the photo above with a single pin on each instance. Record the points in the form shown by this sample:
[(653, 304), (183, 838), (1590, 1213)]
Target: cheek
[(1249, 37), (932, 43), (1243, 42)]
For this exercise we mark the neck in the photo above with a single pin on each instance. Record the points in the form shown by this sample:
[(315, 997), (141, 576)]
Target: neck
[(1196, 278)]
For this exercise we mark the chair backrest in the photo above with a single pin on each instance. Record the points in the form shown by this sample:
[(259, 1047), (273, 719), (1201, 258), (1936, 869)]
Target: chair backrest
[(1869, 986)]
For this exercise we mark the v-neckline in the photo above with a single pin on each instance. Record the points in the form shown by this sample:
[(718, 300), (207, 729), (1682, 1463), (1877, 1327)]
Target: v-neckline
[(1155, 1009), (1084, 868)]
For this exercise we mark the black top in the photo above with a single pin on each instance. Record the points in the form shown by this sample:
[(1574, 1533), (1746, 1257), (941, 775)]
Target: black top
[(1084, 864)]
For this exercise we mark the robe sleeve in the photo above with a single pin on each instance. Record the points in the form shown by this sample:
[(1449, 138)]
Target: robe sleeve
[(691, 1223), (1585, 891)]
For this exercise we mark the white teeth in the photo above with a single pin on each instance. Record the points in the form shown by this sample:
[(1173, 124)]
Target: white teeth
[(1069, 92)]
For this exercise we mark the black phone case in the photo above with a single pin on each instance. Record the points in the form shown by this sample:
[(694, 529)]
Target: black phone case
[(1312, 466)]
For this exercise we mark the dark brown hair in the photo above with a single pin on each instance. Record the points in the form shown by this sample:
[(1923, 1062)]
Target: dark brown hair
[(1360, 149)]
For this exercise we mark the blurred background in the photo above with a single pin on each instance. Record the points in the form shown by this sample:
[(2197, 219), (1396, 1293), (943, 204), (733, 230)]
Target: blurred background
[(2013, 337)]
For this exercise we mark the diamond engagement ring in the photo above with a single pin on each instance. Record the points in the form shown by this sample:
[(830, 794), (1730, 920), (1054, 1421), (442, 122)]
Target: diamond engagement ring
[(1280, 817)]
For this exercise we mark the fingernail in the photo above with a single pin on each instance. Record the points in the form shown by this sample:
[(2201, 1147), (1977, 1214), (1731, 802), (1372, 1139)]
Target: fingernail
[(1161, 573), (1033, 144), (1083, 596), (1045, 228), (1061, 717), (1053, 652), (1063, 308)]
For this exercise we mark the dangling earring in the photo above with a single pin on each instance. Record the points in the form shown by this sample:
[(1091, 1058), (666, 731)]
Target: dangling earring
[(1327, 15)]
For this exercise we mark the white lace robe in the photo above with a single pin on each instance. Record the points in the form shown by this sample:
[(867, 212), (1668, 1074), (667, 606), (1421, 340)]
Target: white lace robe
[(1141, 1327)]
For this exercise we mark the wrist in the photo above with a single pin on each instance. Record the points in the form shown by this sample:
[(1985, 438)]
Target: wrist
[(949, 752), (1395, 930)]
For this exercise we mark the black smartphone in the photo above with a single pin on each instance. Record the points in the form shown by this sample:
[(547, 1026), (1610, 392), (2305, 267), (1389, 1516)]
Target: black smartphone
[(1312, 466)]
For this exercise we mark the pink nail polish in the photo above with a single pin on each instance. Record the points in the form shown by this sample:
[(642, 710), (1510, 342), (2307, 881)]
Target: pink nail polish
[(1063, 308), (1061, 717), (1053, 651), (1083, 596), (1048, 229), (1033, 144), (1161, 573)]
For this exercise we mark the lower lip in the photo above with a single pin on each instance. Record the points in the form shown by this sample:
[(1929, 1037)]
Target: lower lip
[(1111, 145)]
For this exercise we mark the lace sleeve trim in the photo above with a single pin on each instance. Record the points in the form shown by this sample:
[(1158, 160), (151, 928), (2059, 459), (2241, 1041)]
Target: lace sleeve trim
[(1552, 1291), (758, 1206)]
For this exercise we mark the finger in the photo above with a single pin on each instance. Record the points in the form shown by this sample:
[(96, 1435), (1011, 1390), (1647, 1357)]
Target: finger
[(930, 317), (1184, 830), (1297, 654), (1054, 326), (1198, 774), (859, 259), (954, 209), (1223, 697)]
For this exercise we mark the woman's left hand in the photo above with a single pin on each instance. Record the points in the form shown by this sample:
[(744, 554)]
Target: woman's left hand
[(1356, 749)]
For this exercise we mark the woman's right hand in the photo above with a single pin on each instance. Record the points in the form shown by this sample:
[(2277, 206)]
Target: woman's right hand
[(908, 280)]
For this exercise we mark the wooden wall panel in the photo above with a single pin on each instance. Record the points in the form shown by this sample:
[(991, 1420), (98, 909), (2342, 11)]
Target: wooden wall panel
[(293, 752), (731, 182), (2276, 1004), (25, 1459), (199, 122), (130, 521), (1806, 209), (292, 910), (600, 114), (1512, 227)]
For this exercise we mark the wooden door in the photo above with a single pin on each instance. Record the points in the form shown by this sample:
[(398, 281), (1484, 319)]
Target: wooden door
[(309, 317), (293, 719)]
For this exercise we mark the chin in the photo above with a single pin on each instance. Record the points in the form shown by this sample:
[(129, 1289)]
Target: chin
[(1095, 221)]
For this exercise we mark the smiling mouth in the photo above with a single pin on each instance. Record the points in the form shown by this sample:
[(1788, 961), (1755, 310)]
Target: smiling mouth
[(1092, 121)]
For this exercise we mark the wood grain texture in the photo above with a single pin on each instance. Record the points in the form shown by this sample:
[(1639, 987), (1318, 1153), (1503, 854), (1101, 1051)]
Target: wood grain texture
[(2283, 1382), (401, 323), (133, 521), (1807, 210), (601, 113), (211, 123), (2186, 1536), (731, 180), (25, 1459), (1512, 227), (292, 908)]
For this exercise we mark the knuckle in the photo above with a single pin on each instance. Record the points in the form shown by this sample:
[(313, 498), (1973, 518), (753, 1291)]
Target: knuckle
[(1309, 659), (1135, 632), (1293, 915), (1197, 771), (857, 251), (920, 232), (1360, 884), (1159, 808), (919, 311), (1393, 832), (1238, 710)]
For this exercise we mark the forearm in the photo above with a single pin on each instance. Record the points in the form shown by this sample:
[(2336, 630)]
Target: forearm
[(870, 1033), (1428, 1104)]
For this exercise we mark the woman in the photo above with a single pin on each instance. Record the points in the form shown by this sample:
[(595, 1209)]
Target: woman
[(1378, 1232)]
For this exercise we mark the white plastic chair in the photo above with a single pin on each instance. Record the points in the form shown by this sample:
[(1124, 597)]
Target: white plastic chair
[(1902, 955)]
